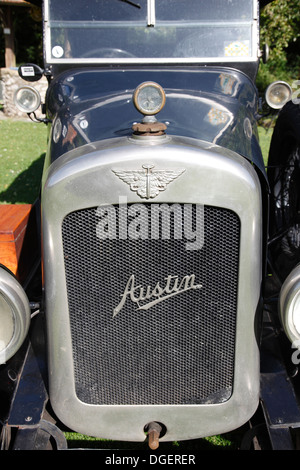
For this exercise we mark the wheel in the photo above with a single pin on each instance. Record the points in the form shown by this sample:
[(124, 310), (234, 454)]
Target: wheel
[(284, 180)]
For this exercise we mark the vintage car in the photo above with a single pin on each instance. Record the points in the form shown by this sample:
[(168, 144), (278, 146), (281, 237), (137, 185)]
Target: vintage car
[(162, 303)]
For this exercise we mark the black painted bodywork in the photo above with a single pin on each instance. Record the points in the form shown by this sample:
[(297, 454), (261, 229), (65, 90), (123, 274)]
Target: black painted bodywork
[(212, 104)]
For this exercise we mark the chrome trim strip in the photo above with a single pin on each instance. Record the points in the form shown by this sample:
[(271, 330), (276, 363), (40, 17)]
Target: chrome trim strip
[(152, 61)]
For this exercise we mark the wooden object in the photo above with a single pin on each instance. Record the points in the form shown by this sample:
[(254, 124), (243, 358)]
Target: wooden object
[(13, 223)]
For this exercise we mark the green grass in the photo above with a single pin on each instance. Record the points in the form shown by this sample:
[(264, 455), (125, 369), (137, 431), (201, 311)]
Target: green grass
[(22, 150), (222, 442), (265, 134)]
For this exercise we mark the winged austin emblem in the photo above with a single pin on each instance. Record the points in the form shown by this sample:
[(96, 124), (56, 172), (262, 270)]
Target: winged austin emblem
[(148, 183)]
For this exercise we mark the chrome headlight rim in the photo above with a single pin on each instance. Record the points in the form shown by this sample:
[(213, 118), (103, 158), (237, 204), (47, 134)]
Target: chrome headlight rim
[(31, 91), (289, 303), (285, 90), (18, 309)]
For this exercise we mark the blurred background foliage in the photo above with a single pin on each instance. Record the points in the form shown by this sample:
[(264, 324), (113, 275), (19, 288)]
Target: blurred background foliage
[(280, 29), (28, 37)]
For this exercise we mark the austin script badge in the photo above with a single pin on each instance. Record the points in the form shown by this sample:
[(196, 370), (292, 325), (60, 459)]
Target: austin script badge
[(146, 297)]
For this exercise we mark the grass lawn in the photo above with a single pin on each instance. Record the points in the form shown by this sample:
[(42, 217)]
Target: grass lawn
[(265, 135), (209, 443), (22, 150)]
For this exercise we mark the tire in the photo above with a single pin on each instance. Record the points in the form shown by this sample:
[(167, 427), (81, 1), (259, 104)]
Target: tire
[(284, 179)]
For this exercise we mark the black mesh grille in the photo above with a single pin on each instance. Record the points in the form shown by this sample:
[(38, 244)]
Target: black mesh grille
[(179, 351)]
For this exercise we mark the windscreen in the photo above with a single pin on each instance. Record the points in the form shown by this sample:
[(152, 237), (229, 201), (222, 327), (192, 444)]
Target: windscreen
[(124, 30)]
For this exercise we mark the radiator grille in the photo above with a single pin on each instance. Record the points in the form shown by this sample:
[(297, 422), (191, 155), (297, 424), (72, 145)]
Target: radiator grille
[(179, 351)]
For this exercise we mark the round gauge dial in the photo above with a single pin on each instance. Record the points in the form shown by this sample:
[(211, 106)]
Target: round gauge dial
[(149, 98)]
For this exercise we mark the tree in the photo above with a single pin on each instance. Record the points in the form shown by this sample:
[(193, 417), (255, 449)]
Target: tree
[(28, 35), (280, 29)]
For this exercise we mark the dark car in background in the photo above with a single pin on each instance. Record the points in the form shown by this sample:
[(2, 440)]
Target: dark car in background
[(165, 244)]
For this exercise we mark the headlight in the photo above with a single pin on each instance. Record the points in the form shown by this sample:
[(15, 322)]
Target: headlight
[(27, 99), (278, 94), (14, 315), (149, 98), (289, 303)]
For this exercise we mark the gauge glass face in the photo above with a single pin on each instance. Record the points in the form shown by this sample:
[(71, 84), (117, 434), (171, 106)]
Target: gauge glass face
[(149, 99)]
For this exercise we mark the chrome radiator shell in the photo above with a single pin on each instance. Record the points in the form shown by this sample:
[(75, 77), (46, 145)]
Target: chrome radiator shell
[(213, 176)]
